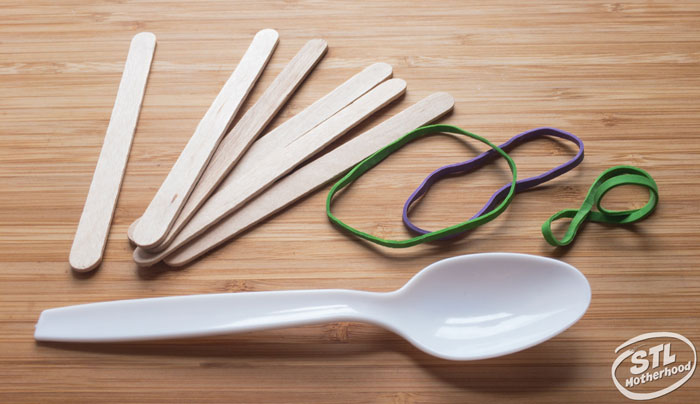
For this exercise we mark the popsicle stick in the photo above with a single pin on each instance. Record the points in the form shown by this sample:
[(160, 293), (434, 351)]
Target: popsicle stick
[(307, 179), (170, 198), (241, 186), (285, 133), (93, 228)]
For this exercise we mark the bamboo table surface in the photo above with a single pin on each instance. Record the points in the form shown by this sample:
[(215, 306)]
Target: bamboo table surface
[(625, 77)]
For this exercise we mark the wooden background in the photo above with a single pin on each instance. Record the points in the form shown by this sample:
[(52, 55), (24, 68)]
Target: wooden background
[(625, 77)]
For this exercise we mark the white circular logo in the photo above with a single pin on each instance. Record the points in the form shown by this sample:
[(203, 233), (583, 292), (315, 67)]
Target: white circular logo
[(654, 363)]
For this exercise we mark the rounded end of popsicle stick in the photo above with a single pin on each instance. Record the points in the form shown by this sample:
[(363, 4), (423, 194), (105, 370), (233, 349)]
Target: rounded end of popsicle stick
[(445, 99), (398, 84), (268, 34), (318, 43), (130, 232), (146, 38), (144, 258), (382, 69), (83, 261), (149, 233)]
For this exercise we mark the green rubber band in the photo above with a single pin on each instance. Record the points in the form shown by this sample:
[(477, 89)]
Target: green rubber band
[(609, 179), (383, 153)]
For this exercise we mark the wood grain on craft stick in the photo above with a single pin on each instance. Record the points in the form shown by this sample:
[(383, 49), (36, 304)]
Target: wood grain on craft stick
[(313, 176), (298, 125), (241, 186), (93, 228), (170, 198)]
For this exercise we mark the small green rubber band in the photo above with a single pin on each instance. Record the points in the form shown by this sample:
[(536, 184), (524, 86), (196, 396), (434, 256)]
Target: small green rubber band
[(609, 179), (383, 153)]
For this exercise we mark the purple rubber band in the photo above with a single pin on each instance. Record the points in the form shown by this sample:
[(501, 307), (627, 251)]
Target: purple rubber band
[(480, 160)]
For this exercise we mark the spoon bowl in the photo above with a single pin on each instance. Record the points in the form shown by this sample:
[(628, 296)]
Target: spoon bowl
[(485, 305), (463, 308)]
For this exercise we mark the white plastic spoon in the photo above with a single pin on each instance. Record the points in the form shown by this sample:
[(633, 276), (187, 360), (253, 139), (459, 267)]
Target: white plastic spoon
[(462, 308)]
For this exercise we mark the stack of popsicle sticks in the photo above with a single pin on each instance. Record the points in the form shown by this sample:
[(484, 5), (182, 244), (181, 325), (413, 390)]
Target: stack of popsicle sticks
[(262, 166), (305, 180), (224, 160), (223, 184)]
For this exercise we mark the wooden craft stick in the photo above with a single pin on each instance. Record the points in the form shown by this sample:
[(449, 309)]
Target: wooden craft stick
[(170, 198), (93, 228), (240, 186), (285, 133), (307, 179)]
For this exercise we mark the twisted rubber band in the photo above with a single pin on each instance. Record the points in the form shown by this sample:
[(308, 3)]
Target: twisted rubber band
[(380, 155), (609, 179), (480, 160)]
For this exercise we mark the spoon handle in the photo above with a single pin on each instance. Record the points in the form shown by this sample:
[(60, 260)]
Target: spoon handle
[(200, 315)]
